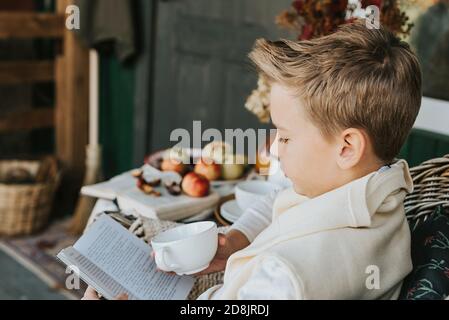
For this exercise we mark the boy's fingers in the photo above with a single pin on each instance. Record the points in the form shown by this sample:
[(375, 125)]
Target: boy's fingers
[(223, 251), (204, 272), (123, 296), (90, 294), (221, 239)]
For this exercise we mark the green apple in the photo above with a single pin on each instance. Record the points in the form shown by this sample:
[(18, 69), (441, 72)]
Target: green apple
[(233, 167)]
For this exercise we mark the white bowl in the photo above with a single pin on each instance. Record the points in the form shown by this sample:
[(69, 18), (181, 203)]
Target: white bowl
[(231, 211), (249, 192), (187, 249)]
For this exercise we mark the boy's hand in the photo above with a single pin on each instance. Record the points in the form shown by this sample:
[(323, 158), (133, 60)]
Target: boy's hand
[(224, 251), (91, 294), (227, 244)]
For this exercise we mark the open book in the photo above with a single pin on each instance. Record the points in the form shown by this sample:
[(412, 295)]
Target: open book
[(114, 261), (167, 207)]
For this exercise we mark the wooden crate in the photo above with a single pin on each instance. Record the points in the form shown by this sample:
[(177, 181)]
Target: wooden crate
[(69, 72)]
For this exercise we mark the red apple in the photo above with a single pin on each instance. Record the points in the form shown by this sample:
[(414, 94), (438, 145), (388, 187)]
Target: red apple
[(209, 169), (173, 165), (195, 185)]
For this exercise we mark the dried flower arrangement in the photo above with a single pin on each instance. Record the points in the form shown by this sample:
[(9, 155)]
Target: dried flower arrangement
[(315, 18)]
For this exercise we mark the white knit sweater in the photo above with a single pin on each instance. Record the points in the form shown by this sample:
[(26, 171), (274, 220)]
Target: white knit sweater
[(326, 247)]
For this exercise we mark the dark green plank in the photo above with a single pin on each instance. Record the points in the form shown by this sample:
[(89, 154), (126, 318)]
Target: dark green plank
[(423, 145), (116, 115)]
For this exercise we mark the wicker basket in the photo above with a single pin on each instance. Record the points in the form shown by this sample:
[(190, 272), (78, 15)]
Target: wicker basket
[(25, 208), (431, 180)]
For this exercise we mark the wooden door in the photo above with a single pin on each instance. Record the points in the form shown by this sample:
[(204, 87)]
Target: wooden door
[(201, 67)]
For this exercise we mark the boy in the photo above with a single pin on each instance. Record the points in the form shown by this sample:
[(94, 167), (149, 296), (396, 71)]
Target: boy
[(343, 106)]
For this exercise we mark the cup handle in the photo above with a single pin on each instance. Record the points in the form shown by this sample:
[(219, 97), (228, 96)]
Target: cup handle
[(161, 261)]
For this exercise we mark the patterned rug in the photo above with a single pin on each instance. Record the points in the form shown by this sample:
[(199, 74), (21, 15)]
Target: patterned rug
[(38, 253)]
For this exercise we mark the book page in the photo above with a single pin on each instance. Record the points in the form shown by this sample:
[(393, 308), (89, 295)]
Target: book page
[(92, 275), (110, 189), (127, 259)]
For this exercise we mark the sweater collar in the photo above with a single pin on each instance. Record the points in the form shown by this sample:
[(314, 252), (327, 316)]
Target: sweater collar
[(352, 205)]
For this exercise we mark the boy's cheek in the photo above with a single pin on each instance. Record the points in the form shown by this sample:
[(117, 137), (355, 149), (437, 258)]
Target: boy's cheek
[(287, 165), (294, 165)]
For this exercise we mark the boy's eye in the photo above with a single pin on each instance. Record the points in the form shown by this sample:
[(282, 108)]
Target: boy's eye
[(283, 140)]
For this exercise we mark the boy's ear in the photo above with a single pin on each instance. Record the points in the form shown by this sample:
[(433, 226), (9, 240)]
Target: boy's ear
[(351, 147)]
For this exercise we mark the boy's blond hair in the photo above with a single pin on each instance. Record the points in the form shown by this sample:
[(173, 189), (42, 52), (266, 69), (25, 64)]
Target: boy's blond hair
[(353, 78)]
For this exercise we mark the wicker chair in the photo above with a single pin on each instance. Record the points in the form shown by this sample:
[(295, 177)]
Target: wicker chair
[(428, 280), (431, 180)]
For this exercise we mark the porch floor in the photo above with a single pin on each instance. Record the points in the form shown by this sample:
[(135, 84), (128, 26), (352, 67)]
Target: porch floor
[(18, 283)]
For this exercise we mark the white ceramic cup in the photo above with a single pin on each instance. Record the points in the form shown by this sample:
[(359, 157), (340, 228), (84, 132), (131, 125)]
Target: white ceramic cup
[(249, 192), (187, 249)]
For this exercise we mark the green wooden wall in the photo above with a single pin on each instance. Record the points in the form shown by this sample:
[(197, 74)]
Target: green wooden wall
[(424, 145), (116, 115)]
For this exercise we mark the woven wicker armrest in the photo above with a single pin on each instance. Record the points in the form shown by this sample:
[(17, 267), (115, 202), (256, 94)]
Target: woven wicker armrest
[(431, 180)]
